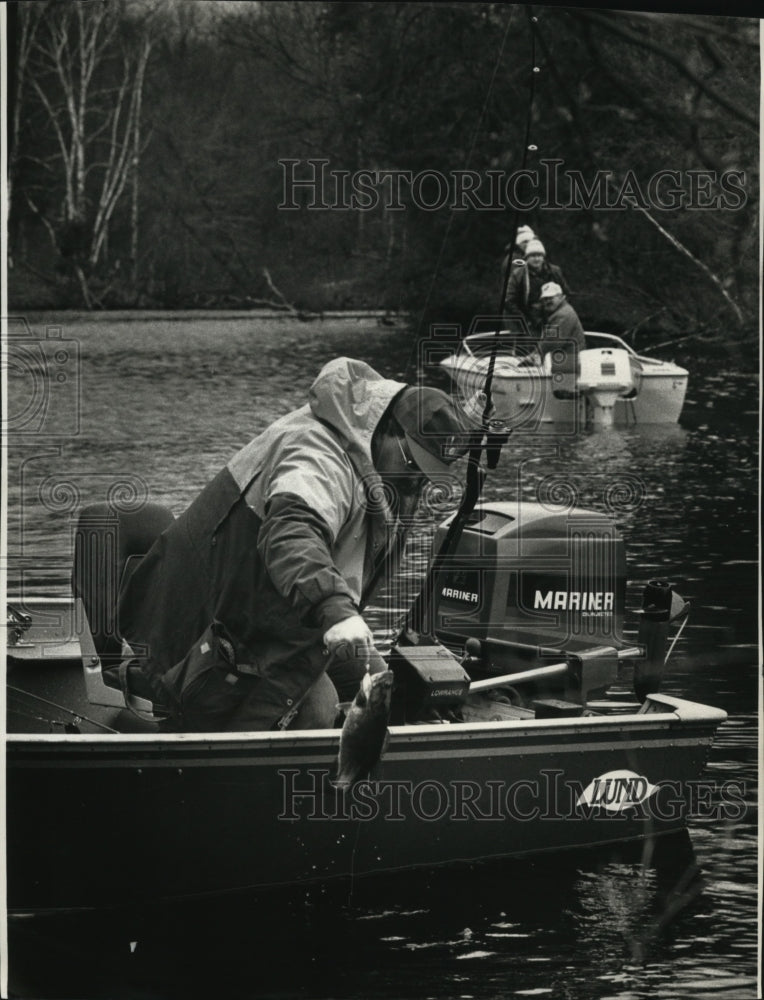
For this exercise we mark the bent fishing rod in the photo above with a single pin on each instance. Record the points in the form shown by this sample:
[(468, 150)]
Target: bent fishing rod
[(419, 624)]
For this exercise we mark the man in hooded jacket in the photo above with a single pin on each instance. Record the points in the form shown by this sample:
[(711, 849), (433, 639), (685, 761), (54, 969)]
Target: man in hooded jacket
[(243, 602)]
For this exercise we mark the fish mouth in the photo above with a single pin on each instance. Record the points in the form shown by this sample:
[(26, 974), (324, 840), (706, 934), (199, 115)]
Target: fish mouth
[(377, 682)]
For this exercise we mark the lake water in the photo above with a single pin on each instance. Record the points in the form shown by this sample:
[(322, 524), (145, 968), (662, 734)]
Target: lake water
[(152, 409)]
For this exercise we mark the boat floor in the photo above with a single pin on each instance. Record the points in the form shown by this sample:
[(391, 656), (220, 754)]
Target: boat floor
[(49, 697)]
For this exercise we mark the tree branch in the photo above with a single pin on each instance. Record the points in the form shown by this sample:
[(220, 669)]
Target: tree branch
[(43, 220), (609, 25), (698, 263), (283, 302)]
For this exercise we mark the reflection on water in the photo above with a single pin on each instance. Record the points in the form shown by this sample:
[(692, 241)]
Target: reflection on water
[(636, 923), (162, 406)]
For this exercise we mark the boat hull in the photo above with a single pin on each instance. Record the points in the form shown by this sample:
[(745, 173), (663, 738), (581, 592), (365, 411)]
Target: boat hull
[(104, 809), (528, 398), (104, 820), (659, 401)]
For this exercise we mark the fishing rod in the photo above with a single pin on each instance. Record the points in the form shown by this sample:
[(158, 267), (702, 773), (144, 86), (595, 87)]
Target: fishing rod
[(76, 716), (419, 620)]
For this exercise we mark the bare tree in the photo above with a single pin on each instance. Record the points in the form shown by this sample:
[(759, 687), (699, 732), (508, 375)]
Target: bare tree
[(85, 64)]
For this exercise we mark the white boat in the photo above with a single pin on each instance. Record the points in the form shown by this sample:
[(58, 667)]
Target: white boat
[(613, 385)]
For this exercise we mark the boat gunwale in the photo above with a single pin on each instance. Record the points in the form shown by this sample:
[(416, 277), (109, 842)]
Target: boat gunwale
[(685, 714), (669, 368)]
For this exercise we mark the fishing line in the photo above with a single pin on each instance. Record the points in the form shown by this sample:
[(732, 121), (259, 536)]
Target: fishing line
[(527, 147), (418, 619), (676, 637), (410, 366), (352, 863)]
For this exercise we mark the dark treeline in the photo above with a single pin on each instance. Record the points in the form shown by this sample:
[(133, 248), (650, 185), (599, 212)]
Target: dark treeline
[(146, 138)]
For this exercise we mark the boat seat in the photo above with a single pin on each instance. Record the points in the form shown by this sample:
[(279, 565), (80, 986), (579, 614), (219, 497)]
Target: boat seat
[(108, 546)]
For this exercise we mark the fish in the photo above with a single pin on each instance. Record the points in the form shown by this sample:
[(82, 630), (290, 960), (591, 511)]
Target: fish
[(364, 733)]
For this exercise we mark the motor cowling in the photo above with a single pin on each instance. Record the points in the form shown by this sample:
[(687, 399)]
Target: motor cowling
[(605, 369), (529, 582), (604, 377)]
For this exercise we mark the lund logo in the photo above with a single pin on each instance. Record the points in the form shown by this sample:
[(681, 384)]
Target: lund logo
[(460, 595), (616, 791), (575, 600)]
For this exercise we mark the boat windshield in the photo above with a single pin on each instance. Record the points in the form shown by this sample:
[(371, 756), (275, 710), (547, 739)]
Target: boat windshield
[(513, 340), (595, 339), (507, 342)]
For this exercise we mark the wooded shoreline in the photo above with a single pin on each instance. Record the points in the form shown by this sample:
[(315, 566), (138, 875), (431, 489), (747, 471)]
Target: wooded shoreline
[(148, 141)]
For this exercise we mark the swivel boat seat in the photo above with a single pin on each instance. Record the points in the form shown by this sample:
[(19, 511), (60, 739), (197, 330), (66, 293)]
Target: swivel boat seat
[(109, 544)]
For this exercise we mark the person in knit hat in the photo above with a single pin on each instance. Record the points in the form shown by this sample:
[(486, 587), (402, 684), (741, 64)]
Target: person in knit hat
[(527, 280), (517, 247), (514, 251), (524, 235)]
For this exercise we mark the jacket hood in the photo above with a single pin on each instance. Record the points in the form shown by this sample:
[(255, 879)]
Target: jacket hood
[(351, 398)]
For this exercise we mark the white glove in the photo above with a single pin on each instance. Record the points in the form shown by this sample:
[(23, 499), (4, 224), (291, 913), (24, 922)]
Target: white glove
[(350, 639)]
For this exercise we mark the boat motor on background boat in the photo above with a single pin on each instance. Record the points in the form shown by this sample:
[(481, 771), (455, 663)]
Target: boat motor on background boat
[(504, 702)]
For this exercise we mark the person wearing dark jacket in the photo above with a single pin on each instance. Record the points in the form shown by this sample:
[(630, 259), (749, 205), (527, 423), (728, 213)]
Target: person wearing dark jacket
[(526, 282), (514, 253), (562, 331), (243, 602)]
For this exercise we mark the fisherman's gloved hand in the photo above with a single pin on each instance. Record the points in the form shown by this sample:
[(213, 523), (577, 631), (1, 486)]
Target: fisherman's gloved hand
[(352, 653), (350, 639)]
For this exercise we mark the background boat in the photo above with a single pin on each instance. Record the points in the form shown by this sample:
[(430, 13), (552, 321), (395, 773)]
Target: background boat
[(636, 389)]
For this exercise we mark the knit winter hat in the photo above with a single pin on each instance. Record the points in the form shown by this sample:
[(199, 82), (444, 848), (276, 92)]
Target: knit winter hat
[(534, 246)]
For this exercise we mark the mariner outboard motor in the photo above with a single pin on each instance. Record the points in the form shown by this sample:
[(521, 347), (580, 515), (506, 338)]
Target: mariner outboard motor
[(532, 598), (532, 583)]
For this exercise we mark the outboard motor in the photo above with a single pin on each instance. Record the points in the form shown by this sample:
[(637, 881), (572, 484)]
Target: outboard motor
[(605, 376), (530, 583)]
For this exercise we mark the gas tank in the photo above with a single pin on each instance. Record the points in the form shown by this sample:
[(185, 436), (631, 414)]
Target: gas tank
[(533, 579)]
